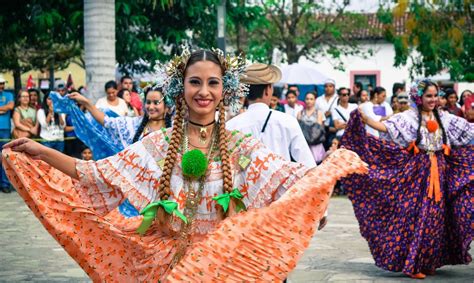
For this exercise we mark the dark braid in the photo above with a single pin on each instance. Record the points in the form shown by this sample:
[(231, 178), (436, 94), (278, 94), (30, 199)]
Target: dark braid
[(418, 132), (140, 128), (164, 190), (438, 119)]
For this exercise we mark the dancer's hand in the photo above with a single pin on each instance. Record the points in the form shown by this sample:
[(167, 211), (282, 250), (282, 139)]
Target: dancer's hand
[(79, 98), (27, 146)]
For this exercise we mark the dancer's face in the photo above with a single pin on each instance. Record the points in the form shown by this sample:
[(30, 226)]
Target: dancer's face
[(430, 98), (154, 105), (203, 90)]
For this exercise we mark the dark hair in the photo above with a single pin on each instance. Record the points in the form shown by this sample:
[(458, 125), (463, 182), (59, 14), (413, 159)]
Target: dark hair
[(256, 91), (393, 98), (203, 55), (290, 86), (291, 92), (277, 92), (125, 77), (146, 118), (311, 92), (110, 84), (120, 92), (33, 90), (339, 90), (435, 112), (360, 87), (396, 87), (449, 91), (45, 107)]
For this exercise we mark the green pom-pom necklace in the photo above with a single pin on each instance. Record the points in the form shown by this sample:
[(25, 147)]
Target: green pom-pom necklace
[(194, 163)]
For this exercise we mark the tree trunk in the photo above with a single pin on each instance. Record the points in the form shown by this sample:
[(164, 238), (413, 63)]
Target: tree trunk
[(99, 45), (17, 80), (292, 52)]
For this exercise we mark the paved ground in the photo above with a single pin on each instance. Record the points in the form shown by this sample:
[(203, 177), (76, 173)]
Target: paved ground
[(337, 254)]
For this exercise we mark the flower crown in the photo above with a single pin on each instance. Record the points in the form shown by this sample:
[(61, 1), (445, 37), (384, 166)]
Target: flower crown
[(233, 89), (416, 90)]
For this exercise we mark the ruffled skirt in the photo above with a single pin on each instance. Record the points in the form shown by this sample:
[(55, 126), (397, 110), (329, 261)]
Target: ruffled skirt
[(257, 245), (406, 229)]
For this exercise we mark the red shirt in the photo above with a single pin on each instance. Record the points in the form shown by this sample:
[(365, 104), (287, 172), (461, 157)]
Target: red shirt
[(135, 101)]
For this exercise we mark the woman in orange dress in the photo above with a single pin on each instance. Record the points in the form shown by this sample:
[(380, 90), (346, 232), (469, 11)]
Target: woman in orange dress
[(184, 181)]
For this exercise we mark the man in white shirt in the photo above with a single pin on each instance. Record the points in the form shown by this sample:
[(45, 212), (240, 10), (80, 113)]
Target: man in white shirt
[(326, 102), (279, 131), (341, 113)]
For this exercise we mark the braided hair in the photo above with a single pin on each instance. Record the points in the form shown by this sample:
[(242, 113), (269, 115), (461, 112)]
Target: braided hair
[(146, 118), (164, 190)]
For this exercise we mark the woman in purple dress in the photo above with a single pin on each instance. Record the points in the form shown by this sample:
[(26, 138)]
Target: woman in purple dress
[(415, 206)]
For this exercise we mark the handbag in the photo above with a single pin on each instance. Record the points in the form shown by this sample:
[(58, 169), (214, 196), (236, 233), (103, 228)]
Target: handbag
[(17, 133), (313, 133)]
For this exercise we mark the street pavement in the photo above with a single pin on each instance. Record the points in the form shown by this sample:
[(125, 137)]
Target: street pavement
[(336, 254)]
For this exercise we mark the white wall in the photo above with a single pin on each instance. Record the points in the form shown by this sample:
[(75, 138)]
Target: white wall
[(382, 61)]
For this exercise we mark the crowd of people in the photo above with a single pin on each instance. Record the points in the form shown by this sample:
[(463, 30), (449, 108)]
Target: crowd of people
[(257, 152)]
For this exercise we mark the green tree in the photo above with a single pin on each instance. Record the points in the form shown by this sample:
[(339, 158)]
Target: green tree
[(438, 37), (39, 34), (304, 28)]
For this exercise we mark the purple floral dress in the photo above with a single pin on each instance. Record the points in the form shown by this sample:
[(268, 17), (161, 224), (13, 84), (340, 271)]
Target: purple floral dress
[(406, 229)]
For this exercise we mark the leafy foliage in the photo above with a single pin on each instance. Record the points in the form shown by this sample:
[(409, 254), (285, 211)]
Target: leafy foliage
[(438, 37), (304, 28)]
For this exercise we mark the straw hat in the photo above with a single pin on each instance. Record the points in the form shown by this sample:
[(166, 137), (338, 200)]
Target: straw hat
[(261, 74)]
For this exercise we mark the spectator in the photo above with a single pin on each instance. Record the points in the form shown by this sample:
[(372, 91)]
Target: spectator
[(451, 105), (370, 88), (6, 106), (364, 96), (24, 117), (311, 122), (403, 101), (126, 96), (52, 125), (397, 88), (442, 101), (72, 144), (356, 92), (278, 131), (126, 82), (61, 87), (86, 154), (341, 113), (394, 104), (325, 104), (368, 109), (464, 95), (111, 101), (381, 107), (275, 103), (34, 98), (292, 107)]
